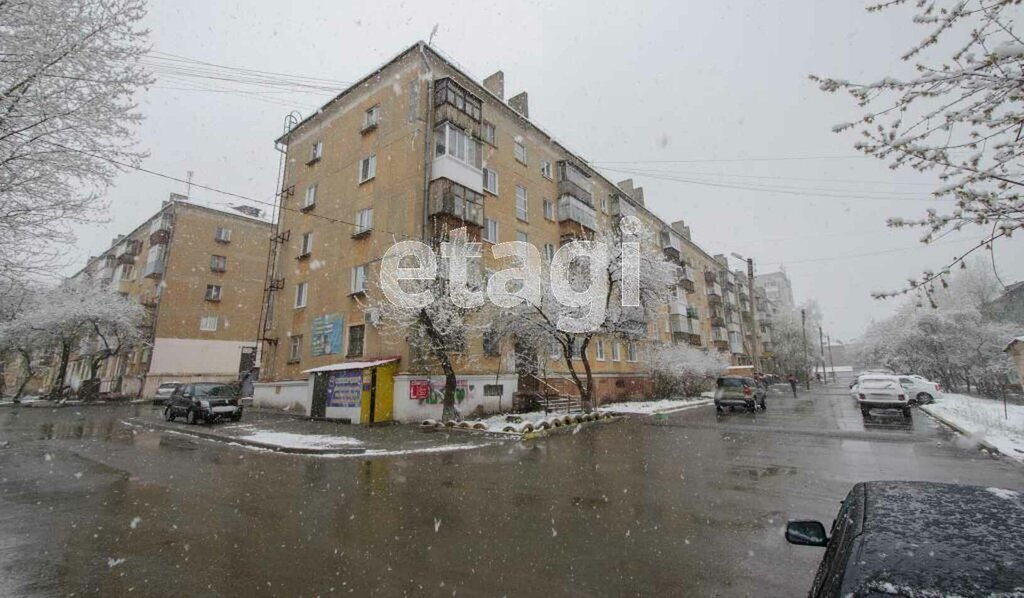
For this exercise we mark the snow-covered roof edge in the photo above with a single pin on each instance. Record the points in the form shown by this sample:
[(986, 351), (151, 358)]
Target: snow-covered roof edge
[(1019, 339), (350, 365)]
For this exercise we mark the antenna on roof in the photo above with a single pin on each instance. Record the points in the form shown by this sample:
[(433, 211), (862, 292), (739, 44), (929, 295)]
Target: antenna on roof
[(188, 189), (433, 32)]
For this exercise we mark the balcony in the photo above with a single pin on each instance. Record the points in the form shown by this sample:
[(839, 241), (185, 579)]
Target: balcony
[(717, 322), (575, 182), (154, 269), (620, 206), (678, 306), (686, 280), (710, 277), (126, 258), (160, 230), (571, 209), (453, 201), (671, 243), (714, 294), (721, 345), (124, 286)]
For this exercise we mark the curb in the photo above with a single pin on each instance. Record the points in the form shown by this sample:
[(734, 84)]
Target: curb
[(250, 443), (956, 428), (567, 429)]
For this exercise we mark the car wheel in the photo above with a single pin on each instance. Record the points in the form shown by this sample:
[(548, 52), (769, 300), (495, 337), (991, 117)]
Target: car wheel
[(236, 417), (865, 411), (191, 417), (168, 414), (906, 412), (924, 398)]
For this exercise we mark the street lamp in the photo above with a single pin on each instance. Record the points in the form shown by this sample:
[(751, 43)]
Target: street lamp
[(755, 349)]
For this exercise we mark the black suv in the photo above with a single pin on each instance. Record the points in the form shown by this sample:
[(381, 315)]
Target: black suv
[(203, 401), (919, 539)]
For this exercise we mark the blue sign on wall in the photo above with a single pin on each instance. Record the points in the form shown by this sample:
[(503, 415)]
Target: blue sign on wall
[(345, 388), (326, 335)]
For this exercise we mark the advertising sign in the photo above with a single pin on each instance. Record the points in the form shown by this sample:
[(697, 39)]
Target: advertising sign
[(345, 388), (326, 334)]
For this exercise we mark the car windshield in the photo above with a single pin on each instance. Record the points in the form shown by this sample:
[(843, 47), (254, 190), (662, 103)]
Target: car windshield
[(213, 390), (734, 382), (171, 386), (878, 384)]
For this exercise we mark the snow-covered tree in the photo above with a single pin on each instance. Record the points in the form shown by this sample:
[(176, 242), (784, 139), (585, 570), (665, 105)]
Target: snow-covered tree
[(80, 317), (683, 369), (643, 273), (958, 114), (68, 73), (794, 345)]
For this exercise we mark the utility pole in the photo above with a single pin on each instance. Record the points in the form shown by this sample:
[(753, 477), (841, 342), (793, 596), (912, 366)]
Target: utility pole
[(821, 343), (803, 327), (755, 352), (832, 363)]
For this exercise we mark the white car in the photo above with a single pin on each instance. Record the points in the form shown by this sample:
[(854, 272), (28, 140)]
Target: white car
[(882, 392), (920, 389), (163, 392)]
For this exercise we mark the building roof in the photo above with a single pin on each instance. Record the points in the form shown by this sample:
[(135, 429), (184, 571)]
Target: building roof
[(350, 365), (1019, 339)]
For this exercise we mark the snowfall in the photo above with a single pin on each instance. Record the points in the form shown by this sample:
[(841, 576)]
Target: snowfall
[(984, 420)]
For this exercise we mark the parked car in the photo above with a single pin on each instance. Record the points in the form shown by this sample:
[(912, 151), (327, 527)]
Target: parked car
[(919, 539), (882, 392), (920, 389), (164, 391), (739, 391), (203, 401)]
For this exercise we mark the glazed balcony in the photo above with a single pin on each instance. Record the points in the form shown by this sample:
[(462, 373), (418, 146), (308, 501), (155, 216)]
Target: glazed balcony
[(575, 182), (453, 202), (572, 210)]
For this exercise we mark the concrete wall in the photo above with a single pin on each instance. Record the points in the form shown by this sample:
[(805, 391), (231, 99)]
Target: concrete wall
[(409, 410), (291, 395)]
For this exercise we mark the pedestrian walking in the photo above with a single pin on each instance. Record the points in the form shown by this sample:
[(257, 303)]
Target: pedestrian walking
[(792, 384)]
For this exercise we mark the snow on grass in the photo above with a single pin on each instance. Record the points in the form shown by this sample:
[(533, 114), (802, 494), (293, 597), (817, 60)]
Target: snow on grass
[(983, 420), (652, 407), (520, 423), (290, 440), (1003, 493)]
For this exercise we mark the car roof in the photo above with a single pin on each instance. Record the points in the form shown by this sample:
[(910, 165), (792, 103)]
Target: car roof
[(927, 538)]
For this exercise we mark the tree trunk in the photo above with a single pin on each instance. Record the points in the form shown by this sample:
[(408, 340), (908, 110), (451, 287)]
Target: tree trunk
[(584, 389), (588, 403), (449, 412), (62, 371), (27, 357)]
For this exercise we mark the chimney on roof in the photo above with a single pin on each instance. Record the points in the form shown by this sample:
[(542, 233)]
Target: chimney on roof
[(178, 197), (680, 227), (521, 104), (626, 187), (496, 84), (116, 240), (638, 195), (248, 210)]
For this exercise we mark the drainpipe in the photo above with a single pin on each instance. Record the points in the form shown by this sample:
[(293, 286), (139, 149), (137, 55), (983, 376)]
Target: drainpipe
[(428, 131)]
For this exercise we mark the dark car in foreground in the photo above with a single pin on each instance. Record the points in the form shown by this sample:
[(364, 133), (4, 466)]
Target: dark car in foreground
[(203, 401), (739, 391), (920, 539)]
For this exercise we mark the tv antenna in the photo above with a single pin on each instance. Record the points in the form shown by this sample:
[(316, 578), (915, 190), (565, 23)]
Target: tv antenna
[(433, 32)]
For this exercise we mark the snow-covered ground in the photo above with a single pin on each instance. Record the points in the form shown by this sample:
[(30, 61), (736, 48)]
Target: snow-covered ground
[(291, 440), (983, 419), (652, 407)]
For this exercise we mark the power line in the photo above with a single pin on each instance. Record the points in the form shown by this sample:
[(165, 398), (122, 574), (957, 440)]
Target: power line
[(785, 178), (868, 254), (709, 160)]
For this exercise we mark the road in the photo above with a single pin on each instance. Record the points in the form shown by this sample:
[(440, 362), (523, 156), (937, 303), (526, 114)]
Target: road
[(684, 504)]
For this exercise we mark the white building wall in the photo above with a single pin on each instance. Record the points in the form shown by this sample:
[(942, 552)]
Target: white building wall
[(409, 410), (193, 360), (291, 395)]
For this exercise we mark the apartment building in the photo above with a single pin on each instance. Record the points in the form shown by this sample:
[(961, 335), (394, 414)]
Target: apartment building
[(778, 289), (199, 271), (416, 149)]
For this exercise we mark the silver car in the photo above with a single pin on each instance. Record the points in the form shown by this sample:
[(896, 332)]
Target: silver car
[(164, 391)]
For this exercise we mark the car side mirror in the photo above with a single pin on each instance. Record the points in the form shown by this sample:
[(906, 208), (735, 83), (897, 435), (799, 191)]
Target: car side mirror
[(806, 533)]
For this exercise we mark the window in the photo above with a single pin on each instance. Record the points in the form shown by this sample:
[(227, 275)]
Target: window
[(367, 168), (492, 343), (490, 181), (223, 235), (490, 230), (577, 346), (600, 350), (355, 340), (208, 323), (371, 117), (218, 263), (213, 292), (316, 152), (631, 354), (604, 204), (545, 167), (453, 141), (127, 272), (449, 92), (295, 348), (306, 247), (310, 200), (364, 221), (300, 294), (549, 252), (520, 151), (549, 210), (521, 203), (488, 133), (555, 349), (494, 390), (616, 351), (359, 279), (522, 237)]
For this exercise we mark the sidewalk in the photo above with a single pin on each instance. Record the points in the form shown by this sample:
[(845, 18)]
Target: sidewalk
[(983, 421), (284, 433)]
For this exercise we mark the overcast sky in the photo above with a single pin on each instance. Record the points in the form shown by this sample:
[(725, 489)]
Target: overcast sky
[(667, 93)]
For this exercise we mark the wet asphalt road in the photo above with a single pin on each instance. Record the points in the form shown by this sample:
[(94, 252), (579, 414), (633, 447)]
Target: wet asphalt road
[(683, 504)]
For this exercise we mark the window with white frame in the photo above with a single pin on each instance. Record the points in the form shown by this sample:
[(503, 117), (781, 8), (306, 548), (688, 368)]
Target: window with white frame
[(600, 350), (208, 323), (490, 181), (127, 272), (521, 203), (549, 210), (488, 132), (295, 347), (367, 168), (364, 220), (310, 199), (316, 152), (359, 279), (218, 263), (545, 169), (604, 204), (213, 292), (456, 143), (222, 235), (616, 351), (371, 117), (520, 151), (631, 352), (306, 247), (490, 230), (555, 349), (301, 294), (549, 252)]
